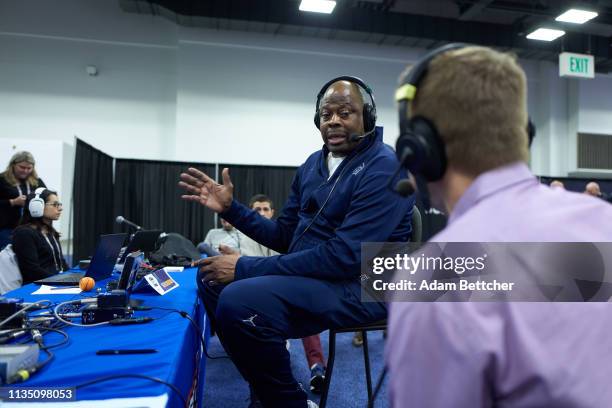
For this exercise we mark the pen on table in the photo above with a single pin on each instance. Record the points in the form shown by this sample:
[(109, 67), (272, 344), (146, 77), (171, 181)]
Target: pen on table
[(63, 287), (126, 351)]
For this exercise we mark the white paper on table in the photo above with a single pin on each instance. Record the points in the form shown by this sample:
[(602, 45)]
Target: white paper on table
[(50, 290), (174, 268)]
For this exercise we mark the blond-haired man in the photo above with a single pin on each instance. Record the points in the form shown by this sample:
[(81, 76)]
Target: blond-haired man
[(496, 354)]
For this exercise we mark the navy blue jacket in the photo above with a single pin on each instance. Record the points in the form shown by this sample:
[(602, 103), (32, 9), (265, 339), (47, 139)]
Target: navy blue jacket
[(361, 208)]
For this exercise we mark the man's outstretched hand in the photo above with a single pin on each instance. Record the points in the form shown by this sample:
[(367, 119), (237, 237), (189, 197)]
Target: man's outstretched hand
[(206, 191)]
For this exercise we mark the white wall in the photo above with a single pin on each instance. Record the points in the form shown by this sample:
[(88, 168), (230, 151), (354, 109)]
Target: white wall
[(563, 107), (127, 110), (173, 93), (595, 105), (549, 100), (252, 99)]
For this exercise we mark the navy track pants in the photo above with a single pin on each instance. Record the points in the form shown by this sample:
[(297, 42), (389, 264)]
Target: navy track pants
[(254, 317)]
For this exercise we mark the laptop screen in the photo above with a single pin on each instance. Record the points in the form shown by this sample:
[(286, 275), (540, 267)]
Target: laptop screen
[(105, 258), (143, 240)]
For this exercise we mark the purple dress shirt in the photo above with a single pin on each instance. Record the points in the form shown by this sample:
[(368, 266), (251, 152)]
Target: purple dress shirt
[(507, 354)]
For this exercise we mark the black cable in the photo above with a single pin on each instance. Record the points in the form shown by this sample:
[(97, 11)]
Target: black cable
[(141, 376), (23, 311), (44, 363), (324, 202), (196, 327), (54, 327), (58, 325), (6, 335), (63, 333), (201, 336)]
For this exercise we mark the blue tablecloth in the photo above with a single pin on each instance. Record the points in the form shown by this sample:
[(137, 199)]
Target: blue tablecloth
[(178, 360)]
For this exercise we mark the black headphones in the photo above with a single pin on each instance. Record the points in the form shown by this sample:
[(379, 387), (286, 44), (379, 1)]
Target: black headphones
[(369, 109), (419, 146)]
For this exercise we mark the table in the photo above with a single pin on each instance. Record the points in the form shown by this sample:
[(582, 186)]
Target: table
[(178, 360)]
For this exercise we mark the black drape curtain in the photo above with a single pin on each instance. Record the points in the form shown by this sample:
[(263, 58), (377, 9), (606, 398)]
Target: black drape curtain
[(273, 181), (92, 198), (147, 193)]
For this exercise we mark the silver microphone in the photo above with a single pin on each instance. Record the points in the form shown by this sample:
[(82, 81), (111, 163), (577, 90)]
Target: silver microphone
[(121, 220)]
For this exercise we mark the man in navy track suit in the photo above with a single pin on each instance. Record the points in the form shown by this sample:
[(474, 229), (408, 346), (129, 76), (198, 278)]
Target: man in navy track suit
[(339, 198)]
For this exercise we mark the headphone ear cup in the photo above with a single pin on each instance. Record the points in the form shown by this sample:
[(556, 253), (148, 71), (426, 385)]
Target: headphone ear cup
[(369, 117), (37, 204), (421, 150), (37, 207), (317, 120)]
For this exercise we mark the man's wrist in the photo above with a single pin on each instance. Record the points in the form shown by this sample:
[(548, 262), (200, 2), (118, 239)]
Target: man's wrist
[(230, 211), (240, 271)]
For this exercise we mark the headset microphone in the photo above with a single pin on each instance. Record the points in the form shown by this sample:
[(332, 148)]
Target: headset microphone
[(355, 137)]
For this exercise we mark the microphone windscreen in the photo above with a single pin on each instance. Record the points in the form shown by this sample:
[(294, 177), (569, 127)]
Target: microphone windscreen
[(405, 187), (205, 248), (119, 219)]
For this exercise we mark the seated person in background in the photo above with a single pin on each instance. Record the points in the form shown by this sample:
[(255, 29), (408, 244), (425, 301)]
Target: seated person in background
[(339, 198), (227, 235), (35, 241), (557, 184), (312, 344), (494, 354), (16, 182), (249, 247), (593, 189)]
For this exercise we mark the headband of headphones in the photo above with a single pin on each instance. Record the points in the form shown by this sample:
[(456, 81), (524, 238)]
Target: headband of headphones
[(410, 84), (369, 109)]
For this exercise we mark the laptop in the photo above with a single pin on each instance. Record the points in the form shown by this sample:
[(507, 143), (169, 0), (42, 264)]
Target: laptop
[(101, 266), (142, 241)]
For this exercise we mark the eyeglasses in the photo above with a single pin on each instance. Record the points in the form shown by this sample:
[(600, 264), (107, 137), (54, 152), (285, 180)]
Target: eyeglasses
[(55, 204)]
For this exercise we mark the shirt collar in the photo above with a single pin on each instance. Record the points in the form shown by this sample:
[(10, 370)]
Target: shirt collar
[(490, 183)]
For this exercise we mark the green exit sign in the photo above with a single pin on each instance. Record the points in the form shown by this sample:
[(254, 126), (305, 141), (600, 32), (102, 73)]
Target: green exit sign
[(576, 65)]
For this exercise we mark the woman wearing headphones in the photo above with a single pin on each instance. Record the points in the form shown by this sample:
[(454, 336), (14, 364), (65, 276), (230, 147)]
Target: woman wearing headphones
[(35, 241), (16, 182)]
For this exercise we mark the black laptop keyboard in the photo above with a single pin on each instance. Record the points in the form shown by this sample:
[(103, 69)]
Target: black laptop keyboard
[(64, 277)]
